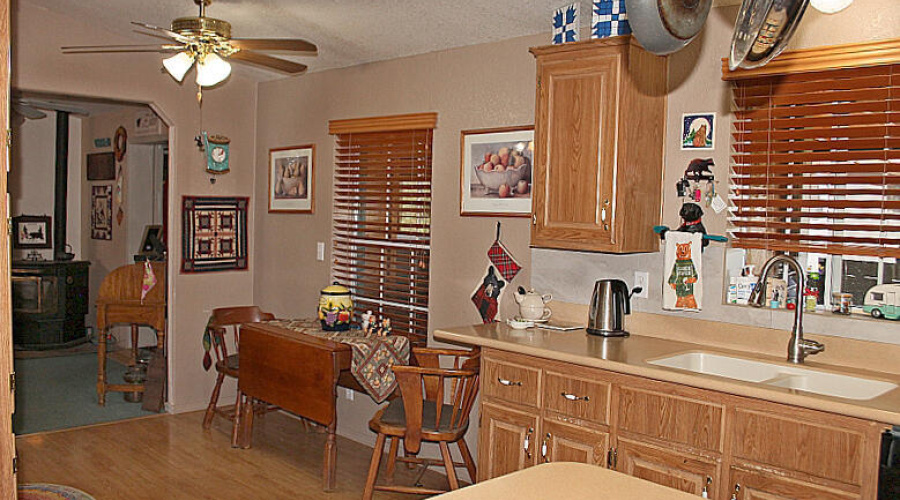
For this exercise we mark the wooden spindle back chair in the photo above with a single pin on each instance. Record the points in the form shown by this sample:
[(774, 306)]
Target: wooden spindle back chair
[(434, 406), (224, 323)]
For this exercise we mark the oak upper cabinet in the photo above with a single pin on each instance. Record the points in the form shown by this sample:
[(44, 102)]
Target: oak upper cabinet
[(599, 134)]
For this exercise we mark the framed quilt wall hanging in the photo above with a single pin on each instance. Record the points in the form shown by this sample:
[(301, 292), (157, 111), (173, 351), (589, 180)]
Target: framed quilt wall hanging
[(214, 234)]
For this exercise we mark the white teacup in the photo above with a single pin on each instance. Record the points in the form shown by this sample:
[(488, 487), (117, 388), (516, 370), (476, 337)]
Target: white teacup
[(535, 313)]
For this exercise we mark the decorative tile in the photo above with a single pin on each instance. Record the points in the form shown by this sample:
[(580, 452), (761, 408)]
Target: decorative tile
[(565, 24), (609, 19)]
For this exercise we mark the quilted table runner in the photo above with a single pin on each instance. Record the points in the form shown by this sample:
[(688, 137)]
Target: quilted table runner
[(373, 357)]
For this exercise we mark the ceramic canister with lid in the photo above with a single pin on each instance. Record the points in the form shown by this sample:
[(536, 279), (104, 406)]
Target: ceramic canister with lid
[(335, 308)]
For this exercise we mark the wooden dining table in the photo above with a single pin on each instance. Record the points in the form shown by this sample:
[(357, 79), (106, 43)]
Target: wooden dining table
[(298, 372)]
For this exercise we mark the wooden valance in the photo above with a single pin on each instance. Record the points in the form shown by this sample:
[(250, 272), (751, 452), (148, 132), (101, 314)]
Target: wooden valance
[(415, 121), (853, 55)]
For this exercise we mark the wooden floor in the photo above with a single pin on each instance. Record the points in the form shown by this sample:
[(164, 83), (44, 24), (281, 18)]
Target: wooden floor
[(170, 456)]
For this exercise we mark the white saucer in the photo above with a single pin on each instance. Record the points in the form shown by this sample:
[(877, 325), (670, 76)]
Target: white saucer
[(519, 318), (518, 324)]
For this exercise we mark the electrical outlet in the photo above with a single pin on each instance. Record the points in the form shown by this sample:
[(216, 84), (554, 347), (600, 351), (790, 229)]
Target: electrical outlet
[(320, 251), (642, 279), (348, 394)]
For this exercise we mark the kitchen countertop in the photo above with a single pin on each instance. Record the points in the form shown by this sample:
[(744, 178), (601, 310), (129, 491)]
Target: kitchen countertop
[(569, 480), (629, 355)]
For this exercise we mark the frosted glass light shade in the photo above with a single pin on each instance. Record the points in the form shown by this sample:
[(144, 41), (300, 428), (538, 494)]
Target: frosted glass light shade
[(830, 6), (211, 70), (178, 65)]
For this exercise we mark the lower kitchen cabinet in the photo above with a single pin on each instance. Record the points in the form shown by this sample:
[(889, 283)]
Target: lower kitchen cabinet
[(683, 471), (539, 410), (562, 442), (507, 441), (756, 485)]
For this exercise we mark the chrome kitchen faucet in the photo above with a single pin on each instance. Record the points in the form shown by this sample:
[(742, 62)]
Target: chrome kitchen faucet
[(798, 348)]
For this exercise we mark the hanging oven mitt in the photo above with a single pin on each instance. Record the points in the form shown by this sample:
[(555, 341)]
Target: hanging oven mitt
[(500, 256), (207, 345), (487, 296)]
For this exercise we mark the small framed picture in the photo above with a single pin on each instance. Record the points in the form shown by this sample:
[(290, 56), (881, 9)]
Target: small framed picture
[(32, 231), (495, 171), (292, 179), (698, 131)]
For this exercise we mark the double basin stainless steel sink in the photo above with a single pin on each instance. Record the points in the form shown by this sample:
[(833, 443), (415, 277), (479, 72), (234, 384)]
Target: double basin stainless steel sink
[(776, 375)]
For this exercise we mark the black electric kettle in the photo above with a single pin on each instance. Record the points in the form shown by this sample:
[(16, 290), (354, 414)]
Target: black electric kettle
[(609, 305)]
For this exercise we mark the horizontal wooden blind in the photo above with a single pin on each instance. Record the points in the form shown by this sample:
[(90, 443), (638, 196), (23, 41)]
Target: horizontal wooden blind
[(382, 225), (816, 163)]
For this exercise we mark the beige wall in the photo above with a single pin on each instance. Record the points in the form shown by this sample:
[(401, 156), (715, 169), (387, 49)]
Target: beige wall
[(696, 86), (477, 87), (230, 110), (107, 255), (32, 176)]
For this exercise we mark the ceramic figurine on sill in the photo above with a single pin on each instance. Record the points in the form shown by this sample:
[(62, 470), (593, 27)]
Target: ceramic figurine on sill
[(368, 319)]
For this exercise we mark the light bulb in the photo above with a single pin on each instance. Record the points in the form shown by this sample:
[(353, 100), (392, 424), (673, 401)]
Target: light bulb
[(211, 70), (830, 6), (178, 65)]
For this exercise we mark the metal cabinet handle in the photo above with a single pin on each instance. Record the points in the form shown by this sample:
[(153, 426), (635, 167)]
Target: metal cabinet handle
[(509, 383), (572, 397), (547, 438), (705, 492), (527, 443), (534, 219), (603, 212), (737, 489)]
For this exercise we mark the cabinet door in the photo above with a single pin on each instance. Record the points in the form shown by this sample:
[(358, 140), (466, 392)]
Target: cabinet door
[(508, 441), (575, 162), (562, 442), (688, 473), (754, 485)]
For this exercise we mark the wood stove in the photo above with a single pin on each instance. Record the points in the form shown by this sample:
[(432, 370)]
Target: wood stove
[(50, 300)]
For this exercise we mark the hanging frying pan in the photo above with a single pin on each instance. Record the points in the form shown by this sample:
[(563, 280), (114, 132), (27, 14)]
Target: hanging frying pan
[(664, 26), (762, 31)]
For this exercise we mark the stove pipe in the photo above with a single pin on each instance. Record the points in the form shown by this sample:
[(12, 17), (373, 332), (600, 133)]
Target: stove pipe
[(61, 186)]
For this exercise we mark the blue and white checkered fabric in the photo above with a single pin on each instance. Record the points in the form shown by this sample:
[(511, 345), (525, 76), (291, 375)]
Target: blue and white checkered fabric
[(609, 19), (565, 24)]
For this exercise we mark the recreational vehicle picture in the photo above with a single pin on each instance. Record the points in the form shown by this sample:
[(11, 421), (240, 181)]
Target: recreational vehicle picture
[(883, 301)]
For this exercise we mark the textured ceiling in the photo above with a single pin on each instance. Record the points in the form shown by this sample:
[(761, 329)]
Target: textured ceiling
[(347, 32)]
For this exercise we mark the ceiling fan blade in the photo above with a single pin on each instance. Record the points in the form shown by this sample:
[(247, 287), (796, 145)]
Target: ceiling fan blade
[(85, 49), (28, 111), (170, 33), (276, 45), (269, 62)]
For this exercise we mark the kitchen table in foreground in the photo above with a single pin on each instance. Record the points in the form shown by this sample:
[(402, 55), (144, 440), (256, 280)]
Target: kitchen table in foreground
[(569, 480)]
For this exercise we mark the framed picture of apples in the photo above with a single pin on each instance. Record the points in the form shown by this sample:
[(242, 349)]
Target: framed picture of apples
[(495, 171)]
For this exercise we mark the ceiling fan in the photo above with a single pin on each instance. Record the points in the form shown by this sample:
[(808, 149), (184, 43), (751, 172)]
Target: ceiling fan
[(207, 42)]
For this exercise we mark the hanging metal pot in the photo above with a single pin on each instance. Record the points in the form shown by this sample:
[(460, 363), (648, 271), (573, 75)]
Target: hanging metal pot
[(665, 26), (762, 31)]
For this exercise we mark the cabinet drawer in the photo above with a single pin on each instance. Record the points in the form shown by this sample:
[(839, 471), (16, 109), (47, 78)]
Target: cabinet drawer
[(511, 382), (828, 447), (577, 396), (677, 416)]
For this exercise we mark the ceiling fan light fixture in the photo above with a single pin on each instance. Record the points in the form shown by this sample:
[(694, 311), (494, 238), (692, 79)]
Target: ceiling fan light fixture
[(212, 69), (178, 65), (830, 6)]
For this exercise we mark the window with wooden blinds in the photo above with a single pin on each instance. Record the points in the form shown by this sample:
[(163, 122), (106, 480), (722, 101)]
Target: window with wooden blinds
[(816, 163), (382, 225)]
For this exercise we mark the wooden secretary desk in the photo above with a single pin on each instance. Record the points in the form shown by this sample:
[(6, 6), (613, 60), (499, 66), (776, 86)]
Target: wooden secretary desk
[(119, 302)]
